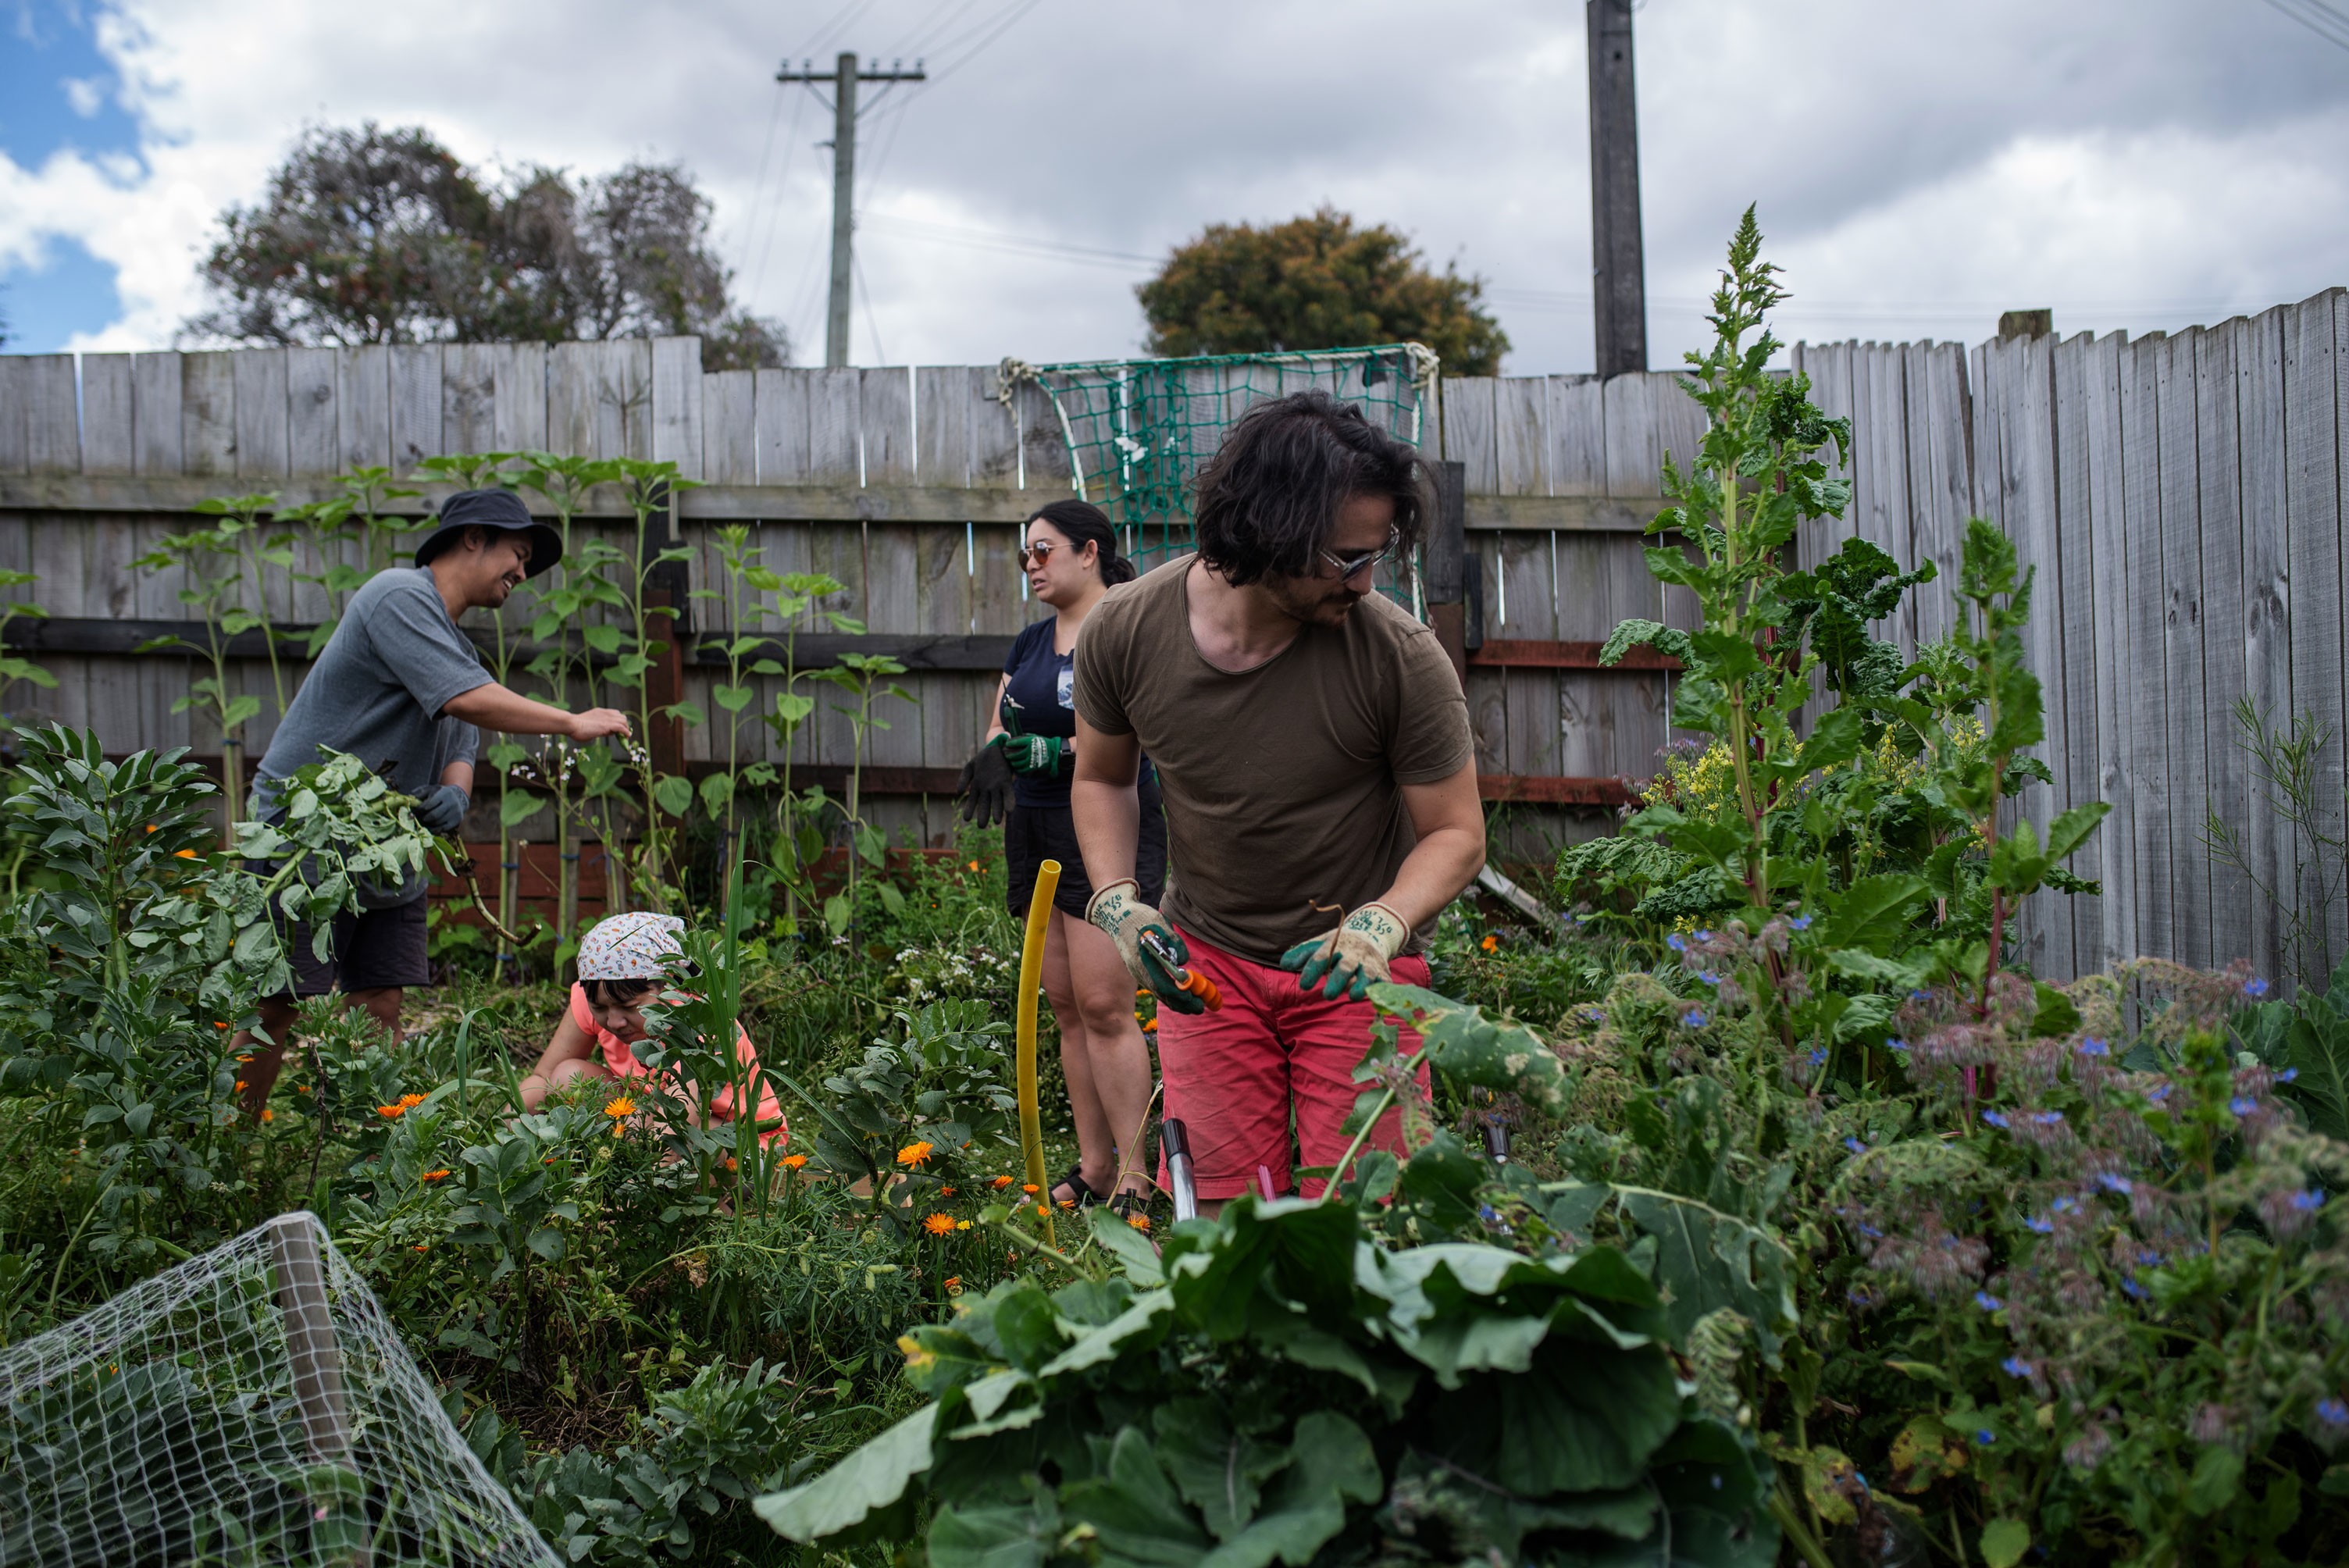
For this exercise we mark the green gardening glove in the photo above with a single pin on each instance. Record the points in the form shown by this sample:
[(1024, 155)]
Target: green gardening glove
[(1035, 755), (1346, 962)]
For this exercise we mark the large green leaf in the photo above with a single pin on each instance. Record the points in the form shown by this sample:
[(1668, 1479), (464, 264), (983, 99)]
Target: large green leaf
[(1306, 1506), (1219, 1470), (1707, 1260), (869, 1492), (1574, 1421), (1134, 1510), (1003, 1536), (1462, 1042)]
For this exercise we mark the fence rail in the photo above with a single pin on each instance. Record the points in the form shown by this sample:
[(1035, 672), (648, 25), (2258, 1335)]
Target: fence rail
[(2180, 497)]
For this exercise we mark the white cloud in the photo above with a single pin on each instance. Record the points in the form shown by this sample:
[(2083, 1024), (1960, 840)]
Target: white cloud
[(86, 94), (1927, 162)]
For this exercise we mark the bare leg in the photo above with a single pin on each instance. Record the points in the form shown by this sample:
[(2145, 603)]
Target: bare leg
[(260, 1074), (1096, 1162), (1120, 1059), (382, 1005)]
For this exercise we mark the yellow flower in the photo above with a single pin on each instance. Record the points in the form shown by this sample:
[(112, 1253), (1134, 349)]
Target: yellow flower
[(939, 1224), (913, 1153), (962, 1224), (440, 1175), (793, 1161), (619, 1107)]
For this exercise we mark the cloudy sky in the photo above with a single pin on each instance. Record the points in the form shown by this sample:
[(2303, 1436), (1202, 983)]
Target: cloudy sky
[(1919, 164)]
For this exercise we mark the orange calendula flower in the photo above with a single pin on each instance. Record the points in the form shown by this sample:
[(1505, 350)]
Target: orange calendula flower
[(974, 865), (440, 1175), (730, 1163), (1491, 944), (1043, 1212), (954, 1285), (1030, 1188), (247, 1055), (939, 1224), (411, 1101), (1150, 1027), (220, 1024), (945, 1192), (1068, 1203), (1138, 1221), (1001, 1182), (421, 1247), (391, 1112), (151, 827), (619, 1106), (915, 1153), (794, 1161), (267, 1114), (184, 854), (240, 1084)]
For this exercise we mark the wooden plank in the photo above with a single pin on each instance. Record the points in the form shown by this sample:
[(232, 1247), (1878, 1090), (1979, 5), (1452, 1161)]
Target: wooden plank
[(155, 381), (943, 396), (2031, 522), (1575, 418), (2267, 601), (2146, 679), (729, 430), (518, 396), (780, 415), (996, 606), (261, 415), (363, 405), (954, 713), (109, 427), (572, 385), (312, 438), (1516, 653), (624, 415), (1468, 430), (1940, 477), (885, 418), (208, 413), (1680, 422), (416, 401), (1043, 444), (16, 407), (468, 391), (676, 408), (1883, 440), (2220, 471), (2074, 602), (2185, 709), (994, 433), (836, 417), (52, 415), (2313, 526), (1532, 718), (1521, 434)]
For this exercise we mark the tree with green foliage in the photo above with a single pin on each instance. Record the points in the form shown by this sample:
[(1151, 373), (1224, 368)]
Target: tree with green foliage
[(1316, 282), (371, 235)]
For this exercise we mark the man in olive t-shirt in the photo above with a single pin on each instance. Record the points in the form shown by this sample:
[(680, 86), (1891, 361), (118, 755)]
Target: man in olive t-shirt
[(1313, 746)]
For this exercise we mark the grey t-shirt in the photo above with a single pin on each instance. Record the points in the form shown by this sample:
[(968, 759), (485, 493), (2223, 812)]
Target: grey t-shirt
[(395, 660)]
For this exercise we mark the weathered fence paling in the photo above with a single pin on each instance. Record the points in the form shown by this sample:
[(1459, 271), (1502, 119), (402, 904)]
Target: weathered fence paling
[(2178, 497)]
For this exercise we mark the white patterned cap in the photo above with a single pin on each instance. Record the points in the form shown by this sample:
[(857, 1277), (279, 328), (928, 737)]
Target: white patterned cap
[(638, 946)]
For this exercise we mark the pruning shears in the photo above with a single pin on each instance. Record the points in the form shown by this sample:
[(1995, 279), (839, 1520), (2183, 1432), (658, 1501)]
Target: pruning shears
[(1190, 980)]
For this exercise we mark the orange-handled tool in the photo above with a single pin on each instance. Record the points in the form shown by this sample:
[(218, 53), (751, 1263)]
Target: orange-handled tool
[(1189, 980)]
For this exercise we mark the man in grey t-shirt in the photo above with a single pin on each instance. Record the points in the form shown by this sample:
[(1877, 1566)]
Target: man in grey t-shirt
[(399, 687)]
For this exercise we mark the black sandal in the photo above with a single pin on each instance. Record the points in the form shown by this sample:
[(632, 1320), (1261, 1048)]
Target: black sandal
[(1083, 1196)]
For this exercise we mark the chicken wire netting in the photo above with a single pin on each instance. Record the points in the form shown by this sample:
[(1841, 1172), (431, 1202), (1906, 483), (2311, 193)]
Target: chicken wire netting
[(1138, 430), (251, 1406)]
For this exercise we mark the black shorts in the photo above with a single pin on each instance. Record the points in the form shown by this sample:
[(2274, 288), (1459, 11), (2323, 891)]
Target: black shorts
[(373, 950), (1034, 834)]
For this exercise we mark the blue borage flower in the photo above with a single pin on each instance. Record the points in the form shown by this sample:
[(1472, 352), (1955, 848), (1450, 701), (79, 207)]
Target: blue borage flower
[(1854, 1145), (2016, 1366), (1693, 1018), (1984, 1436), (1595, 1014), (2047, 1118), (2287, 1075), (2309, 1200), (2038, 1226), (2065, 1205), (2093, 1046), (2113, 1183), (1818, 1056), (1801, 922), (2255, 987), (1995, 1118), (1707, 977), (2333, 1412), (1896, 1043), (2158, 1093), (1704, 936), (1870, 1232), (1987, 1302), (2132, 1290), (1677, 942), (2242, 1105)]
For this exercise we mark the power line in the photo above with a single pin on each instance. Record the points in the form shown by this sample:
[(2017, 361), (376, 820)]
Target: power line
[(1009, 21), (1010, 243), (782, 192), (833, 28), (759, 185), (2318, 17)]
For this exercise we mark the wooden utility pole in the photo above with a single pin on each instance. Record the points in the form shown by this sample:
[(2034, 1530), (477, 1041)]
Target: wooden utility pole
[(843, 77), (1619, 278)]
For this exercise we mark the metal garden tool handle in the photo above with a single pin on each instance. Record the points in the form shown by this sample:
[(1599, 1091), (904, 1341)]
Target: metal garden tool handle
[(1174, 1142)]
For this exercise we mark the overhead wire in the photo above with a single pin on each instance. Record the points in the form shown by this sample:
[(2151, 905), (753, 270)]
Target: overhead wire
[(1019, 9), (2326, 21), (833, 29)]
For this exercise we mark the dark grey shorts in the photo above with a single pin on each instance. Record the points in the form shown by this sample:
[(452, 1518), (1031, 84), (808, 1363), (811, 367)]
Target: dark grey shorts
[(370, 951)]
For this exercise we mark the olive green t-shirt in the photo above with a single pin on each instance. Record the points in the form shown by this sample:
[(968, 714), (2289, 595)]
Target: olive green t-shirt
[(1283, 782)]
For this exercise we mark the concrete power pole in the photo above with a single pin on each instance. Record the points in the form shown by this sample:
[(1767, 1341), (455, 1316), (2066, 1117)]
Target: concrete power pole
[(843, 77), (1619, 290)]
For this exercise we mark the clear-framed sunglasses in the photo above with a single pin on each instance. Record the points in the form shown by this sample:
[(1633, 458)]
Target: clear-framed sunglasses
[(1038, 553), (1347, 566)]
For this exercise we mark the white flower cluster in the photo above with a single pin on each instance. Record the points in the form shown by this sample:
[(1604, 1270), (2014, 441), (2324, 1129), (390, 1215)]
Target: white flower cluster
[(925, 975)]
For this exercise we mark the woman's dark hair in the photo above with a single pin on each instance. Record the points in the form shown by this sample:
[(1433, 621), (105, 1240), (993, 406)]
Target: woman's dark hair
[(1085, 523), (617, 993), (1270, 497)]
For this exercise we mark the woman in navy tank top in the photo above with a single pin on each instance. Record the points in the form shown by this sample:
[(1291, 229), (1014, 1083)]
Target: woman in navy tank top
[(1070, 555)]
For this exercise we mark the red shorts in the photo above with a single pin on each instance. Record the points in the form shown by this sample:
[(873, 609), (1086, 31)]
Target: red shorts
[(1232, 1075)]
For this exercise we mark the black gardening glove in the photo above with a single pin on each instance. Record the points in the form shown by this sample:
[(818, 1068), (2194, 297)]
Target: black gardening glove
[(441, 809), (984, 786)]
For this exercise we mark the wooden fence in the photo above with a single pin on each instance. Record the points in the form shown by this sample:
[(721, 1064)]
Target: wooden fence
[(2180, 497)]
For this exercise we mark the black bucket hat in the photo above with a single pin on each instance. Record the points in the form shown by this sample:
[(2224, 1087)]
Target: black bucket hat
[(498, 508)]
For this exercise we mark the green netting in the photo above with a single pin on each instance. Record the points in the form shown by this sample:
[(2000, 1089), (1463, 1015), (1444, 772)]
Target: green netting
[(1137, 430)]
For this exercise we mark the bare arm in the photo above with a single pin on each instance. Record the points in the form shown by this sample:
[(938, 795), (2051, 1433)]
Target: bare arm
[(571, 1043), (1449, 820), (995, 711), (1106, 804), (460, 774), (493, 706)]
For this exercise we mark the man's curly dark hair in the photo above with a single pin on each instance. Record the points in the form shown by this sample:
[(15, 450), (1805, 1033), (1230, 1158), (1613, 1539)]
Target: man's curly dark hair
[(1270, 497)]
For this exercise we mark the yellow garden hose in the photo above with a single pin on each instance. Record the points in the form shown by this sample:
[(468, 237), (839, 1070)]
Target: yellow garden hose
[(1031, 981)]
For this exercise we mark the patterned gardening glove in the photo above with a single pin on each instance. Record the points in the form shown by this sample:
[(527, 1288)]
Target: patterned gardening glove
[(441, 809), (1039, 756), (1352, 957), (986, 785), (1118, 909)]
